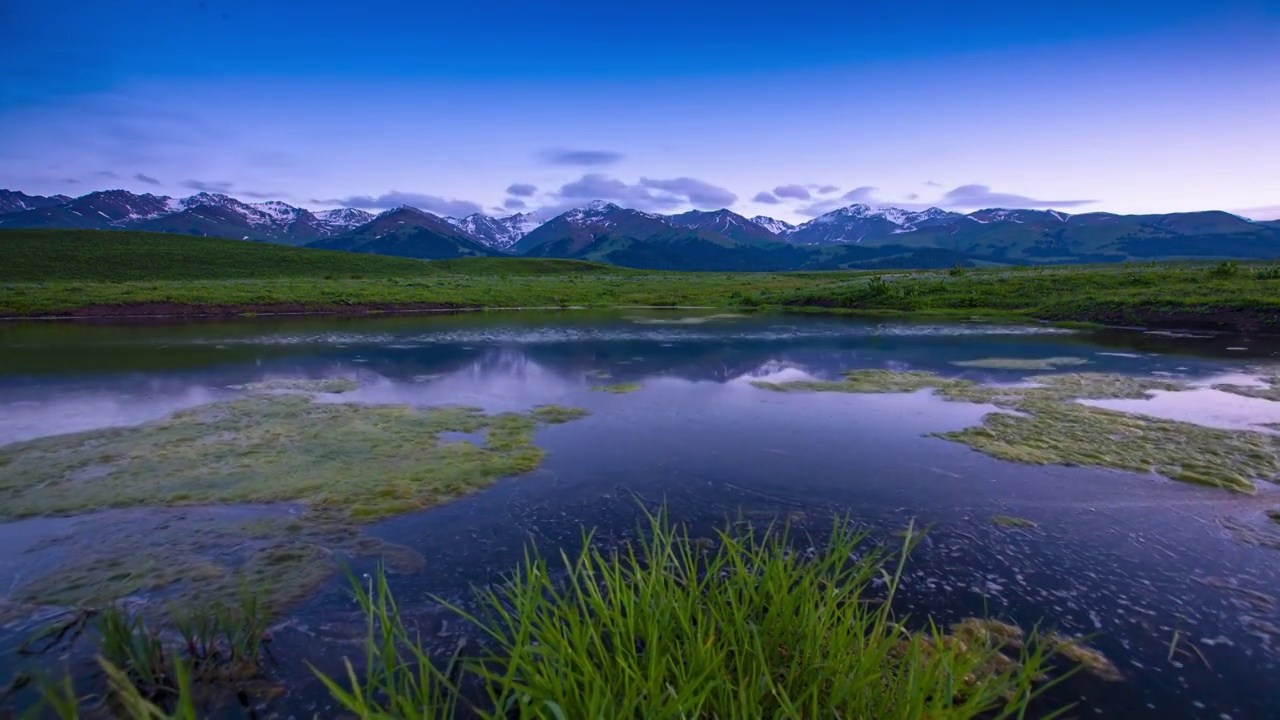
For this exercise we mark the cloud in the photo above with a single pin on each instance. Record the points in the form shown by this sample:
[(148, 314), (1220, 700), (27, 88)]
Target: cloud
[(71, 181), (522, 189), (697, 192), (860, 195), (982, 196), (913, 196), (213, 186), (766, 197), (589, 158), (107, 174), (863, 195), (395, 198), (259, 195), (797, 192), (514, 204), (146, 179), (649, 195), (828, 189), (930, 183)]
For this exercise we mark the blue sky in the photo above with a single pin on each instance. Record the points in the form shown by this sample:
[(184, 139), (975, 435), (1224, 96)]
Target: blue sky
[(783, 108)]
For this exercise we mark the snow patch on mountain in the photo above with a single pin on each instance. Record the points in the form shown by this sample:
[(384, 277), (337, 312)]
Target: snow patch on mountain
[(777, 227)]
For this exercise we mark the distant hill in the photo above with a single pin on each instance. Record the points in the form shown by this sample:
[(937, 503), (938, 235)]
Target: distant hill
[(408, 232), (101, 255)]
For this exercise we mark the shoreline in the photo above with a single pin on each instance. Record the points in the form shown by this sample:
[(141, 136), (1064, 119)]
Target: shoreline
[(1235, 320)]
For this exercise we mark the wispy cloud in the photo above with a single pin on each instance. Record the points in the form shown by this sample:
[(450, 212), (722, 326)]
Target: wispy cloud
[(514, 204), (107, 174), (211, 186), (700, 194), (930, 183), (864, 195), (796, 192), (982, 196), (522, 189), (587, 158), (395, 198), (827, 189), (262, 195), (766, 197), (146, 179)]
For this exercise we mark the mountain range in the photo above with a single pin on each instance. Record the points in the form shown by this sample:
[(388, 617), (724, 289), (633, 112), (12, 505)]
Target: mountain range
[(857, 236)]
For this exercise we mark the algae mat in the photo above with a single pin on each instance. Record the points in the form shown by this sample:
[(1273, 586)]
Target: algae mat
[(363, 461), (1050, 427), (335, 464)]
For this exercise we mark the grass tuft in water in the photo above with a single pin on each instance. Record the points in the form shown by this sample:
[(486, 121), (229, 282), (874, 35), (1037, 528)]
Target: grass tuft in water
[(753, 627), (616, 388), (301, 385), (1012, 522)]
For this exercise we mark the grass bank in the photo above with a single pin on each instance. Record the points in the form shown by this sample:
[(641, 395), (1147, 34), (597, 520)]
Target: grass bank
[(88, 273), (741, 625)]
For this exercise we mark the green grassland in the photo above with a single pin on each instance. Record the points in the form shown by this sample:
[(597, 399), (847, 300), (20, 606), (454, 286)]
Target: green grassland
[(50, 273)]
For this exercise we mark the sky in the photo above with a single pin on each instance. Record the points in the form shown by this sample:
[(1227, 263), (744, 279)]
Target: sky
[(788, 109)]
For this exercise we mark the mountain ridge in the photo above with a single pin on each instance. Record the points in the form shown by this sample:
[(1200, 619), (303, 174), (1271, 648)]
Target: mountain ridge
[(853, 236)]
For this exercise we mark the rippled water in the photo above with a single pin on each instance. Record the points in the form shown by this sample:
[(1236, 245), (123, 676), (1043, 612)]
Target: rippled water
[(1130, 558)]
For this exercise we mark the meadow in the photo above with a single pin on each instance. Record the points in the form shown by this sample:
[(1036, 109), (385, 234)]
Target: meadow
[(87, 273)]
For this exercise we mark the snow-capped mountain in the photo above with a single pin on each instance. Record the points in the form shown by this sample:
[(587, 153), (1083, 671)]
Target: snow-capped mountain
[(727, 223), (12, 201), (498, 232), (342, 218), (857, 222), (777, 227), (990, 215)]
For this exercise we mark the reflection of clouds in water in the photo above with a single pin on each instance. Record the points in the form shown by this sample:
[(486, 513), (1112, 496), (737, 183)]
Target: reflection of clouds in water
[(26, 420), (1202, 406)]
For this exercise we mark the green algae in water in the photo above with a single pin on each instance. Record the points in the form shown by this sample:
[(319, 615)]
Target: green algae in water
[(325, 385), (364, 461), (616, 388), (1012, 522), (1050, 363), (1053, 429)]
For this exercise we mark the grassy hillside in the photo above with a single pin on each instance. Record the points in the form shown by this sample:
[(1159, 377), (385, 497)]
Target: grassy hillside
[(118, 255)]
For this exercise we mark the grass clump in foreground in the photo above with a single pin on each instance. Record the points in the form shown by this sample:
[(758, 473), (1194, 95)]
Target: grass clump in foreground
[(1052, 428), (616, 388), (751, 628)]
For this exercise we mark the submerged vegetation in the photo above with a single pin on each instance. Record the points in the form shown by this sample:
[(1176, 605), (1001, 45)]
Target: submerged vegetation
[(1051, 363), (76, 273), (616, 388), (1012, 522), (333, 465), (1049, 427)]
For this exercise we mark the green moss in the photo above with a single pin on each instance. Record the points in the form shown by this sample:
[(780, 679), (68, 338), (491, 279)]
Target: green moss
[(366, 461), (617, 388), (324, 385), (1021, 363), (1013, 522)]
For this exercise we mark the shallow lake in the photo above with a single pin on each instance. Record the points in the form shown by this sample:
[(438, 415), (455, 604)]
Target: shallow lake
[(1131, 560)]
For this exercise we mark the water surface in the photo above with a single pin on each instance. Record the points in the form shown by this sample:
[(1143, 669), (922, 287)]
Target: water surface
[(1129, 558)]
